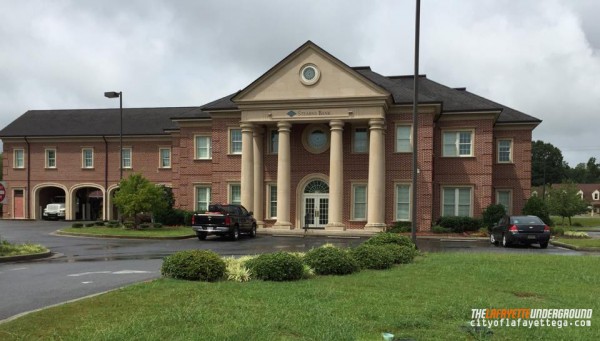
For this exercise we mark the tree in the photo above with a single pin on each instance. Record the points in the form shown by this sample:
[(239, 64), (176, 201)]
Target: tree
[(137, 194), (547, 165), (537, 207), (592, 171), (564, 201)]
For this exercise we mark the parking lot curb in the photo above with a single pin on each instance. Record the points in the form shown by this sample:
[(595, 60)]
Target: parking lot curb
[(574, 247), (6, 259), (102, 236)]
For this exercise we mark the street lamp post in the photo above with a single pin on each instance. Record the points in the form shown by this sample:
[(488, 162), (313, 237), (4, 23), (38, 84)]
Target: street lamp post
[(415, 165), (114, 94)]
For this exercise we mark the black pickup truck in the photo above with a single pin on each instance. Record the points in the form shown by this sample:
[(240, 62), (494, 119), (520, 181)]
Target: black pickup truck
[(224, 220)]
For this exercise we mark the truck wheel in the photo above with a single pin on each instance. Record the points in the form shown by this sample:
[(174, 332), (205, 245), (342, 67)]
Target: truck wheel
[(201, 235), (253, 232), (235, 235)]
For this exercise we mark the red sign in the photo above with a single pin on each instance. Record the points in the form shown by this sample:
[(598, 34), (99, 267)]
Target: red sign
[(2, 192)]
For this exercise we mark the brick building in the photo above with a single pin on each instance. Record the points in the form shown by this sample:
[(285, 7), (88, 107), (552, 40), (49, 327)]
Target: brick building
[(312, 141)]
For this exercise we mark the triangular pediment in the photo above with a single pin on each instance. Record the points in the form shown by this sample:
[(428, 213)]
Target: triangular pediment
[(284, 82)]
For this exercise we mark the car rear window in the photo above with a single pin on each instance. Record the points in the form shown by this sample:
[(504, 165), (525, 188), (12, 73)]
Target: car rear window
[(526, 220)]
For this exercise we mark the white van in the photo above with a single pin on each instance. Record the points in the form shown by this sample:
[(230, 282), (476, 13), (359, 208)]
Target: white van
[(55, 210)]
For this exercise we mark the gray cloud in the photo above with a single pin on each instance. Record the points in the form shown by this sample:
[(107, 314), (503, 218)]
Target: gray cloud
[(540, 57)]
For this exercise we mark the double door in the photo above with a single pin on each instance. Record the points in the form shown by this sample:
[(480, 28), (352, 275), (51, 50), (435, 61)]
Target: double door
[(316, 210)]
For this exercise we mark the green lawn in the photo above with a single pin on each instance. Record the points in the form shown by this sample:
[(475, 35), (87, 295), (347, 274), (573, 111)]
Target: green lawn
[(427, 300), (584, 221), (579, 242), (177, 231)]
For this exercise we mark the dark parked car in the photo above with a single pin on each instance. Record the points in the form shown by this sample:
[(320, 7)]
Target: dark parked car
[(224, 220), (520, 229)]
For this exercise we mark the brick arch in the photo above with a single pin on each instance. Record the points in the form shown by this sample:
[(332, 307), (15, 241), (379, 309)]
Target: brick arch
[(71, 196), (36, 196)]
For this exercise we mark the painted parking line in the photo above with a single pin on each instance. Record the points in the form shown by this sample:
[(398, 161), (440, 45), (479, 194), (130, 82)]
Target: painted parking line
[(120, 272), (17, 269)]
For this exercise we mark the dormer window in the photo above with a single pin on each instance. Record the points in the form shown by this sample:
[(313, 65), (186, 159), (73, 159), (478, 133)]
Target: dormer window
[(596, 195), (580, 193)]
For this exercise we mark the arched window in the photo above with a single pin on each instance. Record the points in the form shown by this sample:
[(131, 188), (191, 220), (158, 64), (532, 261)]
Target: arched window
[(316, 186)]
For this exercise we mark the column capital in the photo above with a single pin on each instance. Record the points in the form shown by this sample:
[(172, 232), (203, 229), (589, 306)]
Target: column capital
[(376, 123), (258, 131), (284, 126), (336, 124), (246, 127)]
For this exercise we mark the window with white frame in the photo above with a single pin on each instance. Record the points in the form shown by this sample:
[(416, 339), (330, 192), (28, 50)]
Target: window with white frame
[(402, 202), (203, 147), (505, 151), (87, 158), (456, 201), (18, 158), (360, 140), (235, 194), (165, 157), (403, 139), (202, 198), (126, 160), (596, 195), (274, 141), (504, 198), (272, 201), (359, 202), (458, 143), (50, 158), (235, 141), (580, 193)]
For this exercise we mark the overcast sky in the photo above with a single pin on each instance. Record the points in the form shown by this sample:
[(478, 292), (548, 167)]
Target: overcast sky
[(541, 57)]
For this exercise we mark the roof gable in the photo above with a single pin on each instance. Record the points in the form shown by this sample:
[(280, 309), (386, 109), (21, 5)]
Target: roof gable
[(282, 82)]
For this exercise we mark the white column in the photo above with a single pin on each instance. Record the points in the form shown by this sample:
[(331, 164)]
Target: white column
[(283, 177), (336, 176), (259, 172), (376, 185), (247, 181)]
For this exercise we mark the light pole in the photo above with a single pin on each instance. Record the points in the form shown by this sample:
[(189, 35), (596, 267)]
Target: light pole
[(114, 94), (415, 166)]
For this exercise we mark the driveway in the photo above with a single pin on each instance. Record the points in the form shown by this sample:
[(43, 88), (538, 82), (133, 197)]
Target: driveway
[(86, 266)]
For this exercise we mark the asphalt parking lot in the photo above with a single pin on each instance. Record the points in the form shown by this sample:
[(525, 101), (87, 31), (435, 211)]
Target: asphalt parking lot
[(82, 266)]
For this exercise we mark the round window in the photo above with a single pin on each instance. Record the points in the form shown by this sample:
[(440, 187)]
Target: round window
[(309, 74), (316, 138)]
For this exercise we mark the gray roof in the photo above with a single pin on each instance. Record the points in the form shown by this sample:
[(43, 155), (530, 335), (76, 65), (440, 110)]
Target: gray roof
[(98, 122)]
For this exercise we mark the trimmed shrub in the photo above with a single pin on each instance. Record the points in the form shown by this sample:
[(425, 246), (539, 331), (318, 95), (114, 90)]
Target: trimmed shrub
[(460, 224), (402, 254), (331, 261), (90, 224), (145, 225), (577, 235), (194, 265), (373, 256), (157, 225), (557, 231), (278, 266), (492, 214), (389, 238), (401, 227), (536, 206), (99, 223), (577, 224), (128, 224), (77, 225), (439, 229)]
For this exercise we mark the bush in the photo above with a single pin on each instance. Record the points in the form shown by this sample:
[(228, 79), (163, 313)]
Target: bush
[(402, 254), (99, 223), (236, 270), (90, 224), (536, 206), (389, 238), (174, 217), (278, 266), (145, 225), (113, 223), (439, 229), (194, 265), (401, 227), (492, 214), (373, 256), (157, 225), (77, 225), (577, 224), (557, 231), (128, 224), (577, 235), (331, 261), (460, 224)]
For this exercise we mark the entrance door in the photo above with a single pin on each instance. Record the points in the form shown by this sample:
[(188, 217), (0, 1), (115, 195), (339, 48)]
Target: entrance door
[(18, 204), (316, 210)]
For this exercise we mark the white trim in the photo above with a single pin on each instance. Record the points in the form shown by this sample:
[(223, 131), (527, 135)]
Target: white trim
[(457, 132), (410, 200), (510, 151), (205, 135), (311, 128), (596, 195), (130, 158), (230, 193), (160, 158), (195, 196), (353, 140), (270, 141), (268, 204), (83, 157), (410, 142), (456, 198), (47, 158), (509, 209), (230, 141), (36, 200), (22, 150), (22, 189), (353, 187)]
